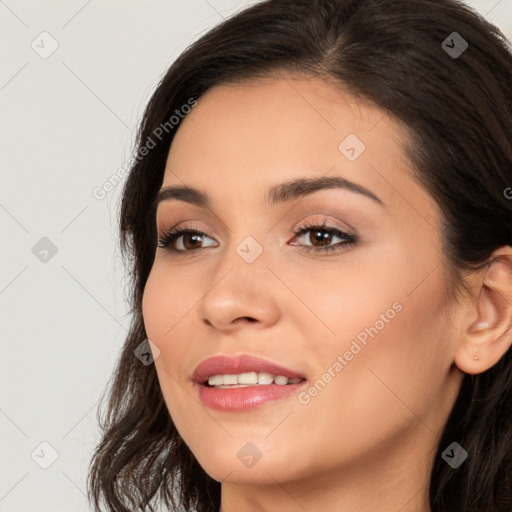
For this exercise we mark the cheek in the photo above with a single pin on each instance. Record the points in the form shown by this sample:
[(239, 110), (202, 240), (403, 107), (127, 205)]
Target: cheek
[(337, 302), (385, 311), (161, 310), (397, 367), (164, 302), (167, 309), (151, 313)]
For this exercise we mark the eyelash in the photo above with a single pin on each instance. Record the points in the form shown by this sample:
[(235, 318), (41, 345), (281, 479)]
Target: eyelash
[(350, 240)]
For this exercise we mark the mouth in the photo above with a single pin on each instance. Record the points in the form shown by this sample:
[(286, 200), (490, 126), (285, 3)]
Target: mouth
[(239, 383)]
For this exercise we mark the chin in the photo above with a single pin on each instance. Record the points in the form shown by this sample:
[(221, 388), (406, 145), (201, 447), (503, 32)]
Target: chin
[(245, 466)]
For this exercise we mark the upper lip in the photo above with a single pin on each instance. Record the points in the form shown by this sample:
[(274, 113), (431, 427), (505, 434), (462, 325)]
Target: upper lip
[(230, 365)]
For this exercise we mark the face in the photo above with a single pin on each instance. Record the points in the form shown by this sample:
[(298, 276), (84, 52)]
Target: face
[(355, 304)]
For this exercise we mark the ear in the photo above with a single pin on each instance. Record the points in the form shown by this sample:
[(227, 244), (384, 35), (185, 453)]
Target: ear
[(486, 329)]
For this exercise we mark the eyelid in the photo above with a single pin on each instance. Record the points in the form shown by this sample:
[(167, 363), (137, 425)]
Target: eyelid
[(208, 226), (328, 221), (310, 222)]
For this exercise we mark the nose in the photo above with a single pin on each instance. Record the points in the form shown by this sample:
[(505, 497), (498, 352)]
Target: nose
[(240, 294)]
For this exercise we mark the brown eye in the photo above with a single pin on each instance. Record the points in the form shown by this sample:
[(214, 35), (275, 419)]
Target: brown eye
[(191, 241), (183, 240), (321, 238)]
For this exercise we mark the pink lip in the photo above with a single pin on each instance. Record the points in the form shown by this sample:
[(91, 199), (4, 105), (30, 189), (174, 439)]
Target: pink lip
[(238, 399), (230, 365)]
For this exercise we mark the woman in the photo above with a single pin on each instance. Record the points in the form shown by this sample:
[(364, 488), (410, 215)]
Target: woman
[(322, 268)]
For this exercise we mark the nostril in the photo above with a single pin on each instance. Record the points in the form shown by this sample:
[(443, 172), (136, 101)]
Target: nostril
[(245, 318)]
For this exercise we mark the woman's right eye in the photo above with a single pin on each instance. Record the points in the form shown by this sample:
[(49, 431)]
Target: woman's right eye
[(183, 239)]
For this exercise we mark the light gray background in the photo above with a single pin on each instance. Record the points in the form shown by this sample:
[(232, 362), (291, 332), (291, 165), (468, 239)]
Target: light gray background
[(67, 125)]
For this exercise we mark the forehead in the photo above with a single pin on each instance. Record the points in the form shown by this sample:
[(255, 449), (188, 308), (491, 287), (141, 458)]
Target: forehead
[(275, 116), (243, 137)]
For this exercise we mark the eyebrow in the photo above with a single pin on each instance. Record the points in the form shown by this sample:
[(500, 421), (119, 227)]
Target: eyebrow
[(279, 193)]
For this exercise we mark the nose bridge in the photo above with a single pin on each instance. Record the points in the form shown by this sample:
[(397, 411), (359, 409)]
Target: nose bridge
[(247, 241), (241, 285), (245, 260)]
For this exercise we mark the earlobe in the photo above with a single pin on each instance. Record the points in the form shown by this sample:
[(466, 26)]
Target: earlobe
[(485, 339)]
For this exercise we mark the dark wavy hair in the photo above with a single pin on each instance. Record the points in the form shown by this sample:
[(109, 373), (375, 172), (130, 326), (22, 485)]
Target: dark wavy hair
[(458, 108)]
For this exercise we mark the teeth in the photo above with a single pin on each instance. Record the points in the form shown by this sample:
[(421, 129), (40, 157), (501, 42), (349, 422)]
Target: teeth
[(215, 380), (230, 379), (265, 378), (250, 379), (244, 378)]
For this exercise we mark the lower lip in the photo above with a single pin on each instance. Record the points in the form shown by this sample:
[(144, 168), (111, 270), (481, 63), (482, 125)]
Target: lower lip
[(240, 399)]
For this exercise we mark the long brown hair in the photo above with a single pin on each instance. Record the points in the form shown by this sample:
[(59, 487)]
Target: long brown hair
[(456, 100)]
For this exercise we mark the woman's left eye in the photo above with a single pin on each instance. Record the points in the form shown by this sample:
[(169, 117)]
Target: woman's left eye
[(323, 235), (181, 240)]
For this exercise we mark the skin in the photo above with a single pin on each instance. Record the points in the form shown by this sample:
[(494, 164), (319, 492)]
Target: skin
[(366, 441)]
